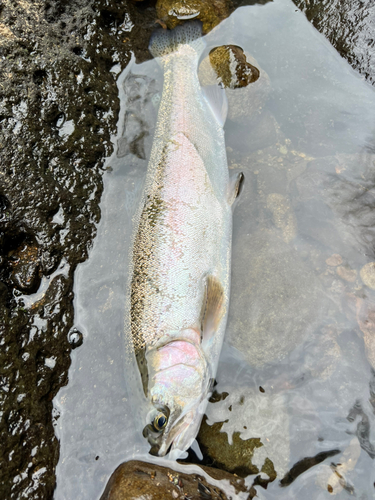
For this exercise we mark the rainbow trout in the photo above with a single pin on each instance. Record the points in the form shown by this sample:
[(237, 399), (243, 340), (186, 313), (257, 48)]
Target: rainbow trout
[(182, 247)]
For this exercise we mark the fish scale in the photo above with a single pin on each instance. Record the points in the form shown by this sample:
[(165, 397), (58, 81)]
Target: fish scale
[(182, 245)]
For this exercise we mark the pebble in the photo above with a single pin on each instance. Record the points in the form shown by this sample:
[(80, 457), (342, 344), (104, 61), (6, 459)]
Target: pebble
[(334, 260), (75, 338)]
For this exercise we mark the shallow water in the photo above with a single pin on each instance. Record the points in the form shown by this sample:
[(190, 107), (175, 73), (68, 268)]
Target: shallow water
[(308, 158)]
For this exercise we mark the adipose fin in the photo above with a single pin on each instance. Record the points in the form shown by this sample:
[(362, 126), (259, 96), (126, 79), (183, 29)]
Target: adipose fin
[(235, 187)]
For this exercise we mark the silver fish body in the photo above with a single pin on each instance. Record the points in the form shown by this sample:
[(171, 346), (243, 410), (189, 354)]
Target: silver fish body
[(182, 248)]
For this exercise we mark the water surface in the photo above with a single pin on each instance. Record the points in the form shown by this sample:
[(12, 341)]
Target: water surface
[(303, 230)]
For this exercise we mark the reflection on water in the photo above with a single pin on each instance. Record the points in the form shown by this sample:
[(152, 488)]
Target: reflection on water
[(295, 394)]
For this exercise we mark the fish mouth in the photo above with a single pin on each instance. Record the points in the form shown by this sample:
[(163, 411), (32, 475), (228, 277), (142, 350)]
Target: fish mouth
[(177, 439), (154, 436), (155, 440), (161, 443)]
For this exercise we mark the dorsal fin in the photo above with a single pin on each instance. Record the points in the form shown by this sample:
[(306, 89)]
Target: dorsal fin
[(212, 308)]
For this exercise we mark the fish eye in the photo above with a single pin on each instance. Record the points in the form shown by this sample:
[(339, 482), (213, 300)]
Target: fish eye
[(160, 421)]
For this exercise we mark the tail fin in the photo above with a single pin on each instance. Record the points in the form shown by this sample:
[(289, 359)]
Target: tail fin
[(164, 42)]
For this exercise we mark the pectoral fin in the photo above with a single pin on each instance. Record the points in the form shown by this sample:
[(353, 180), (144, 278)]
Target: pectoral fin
[(236, 186), (217, 101), (213, 308)]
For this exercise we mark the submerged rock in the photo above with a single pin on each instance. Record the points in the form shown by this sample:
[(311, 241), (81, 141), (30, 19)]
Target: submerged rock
[(137, 479), (274, 304), (247, 85), (247, 433)]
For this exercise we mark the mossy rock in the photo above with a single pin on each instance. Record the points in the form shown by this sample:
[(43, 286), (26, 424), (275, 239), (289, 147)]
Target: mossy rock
[(232, 68), (235, 457), (247, 85), (247, 433), (174, 12)]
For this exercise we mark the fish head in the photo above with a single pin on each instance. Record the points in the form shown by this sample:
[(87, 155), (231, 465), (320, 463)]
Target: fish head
[(179, 386)]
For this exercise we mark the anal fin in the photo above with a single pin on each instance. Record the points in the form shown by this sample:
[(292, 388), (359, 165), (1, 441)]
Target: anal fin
[(212, 308)]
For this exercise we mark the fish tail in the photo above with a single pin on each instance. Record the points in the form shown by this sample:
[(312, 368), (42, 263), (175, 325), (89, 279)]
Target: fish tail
[(164, 42)]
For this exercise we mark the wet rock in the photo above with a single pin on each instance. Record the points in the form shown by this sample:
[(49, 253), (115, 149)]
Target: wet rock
[(174, 12), (368, 275), (58, 111), (349, 26), (243, 100), (334, 260), (33, 369), (136, 479), (231, 67), (263, 324), (283, 216), (25, 269), (247, 433)]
